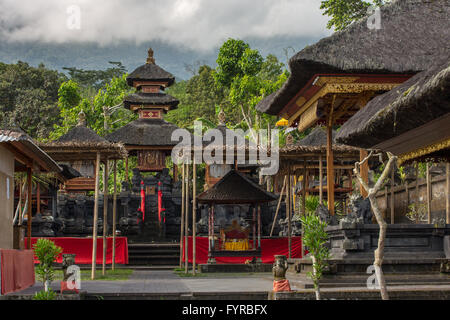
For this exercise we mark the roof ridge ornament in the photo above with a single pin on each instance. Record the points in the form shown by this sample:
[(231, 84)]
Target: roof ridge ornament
[(150, 59), (221, 117), (81, 119)]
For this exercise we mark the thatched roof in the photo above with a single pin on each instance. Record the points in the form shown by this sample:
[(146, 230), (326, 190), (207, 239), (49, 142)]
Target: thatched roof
[(145, 132), (236, 188), (421, 99), (150, 72), (317, 137), (16, 136), (82, 143), (316, 143), (142, 98), (413, 34), (80, 134)]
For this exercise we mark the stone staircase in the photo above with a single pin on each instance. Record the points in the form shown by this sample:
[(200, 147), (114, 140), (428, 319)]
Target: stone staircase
[(154, 255)]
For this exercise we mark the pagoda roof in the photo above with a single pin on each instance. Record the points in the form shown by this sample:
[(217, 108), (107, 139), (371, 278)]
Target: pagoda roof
[(413, 34), (145, 132), (150, 72), (235, 187), (143, 98)]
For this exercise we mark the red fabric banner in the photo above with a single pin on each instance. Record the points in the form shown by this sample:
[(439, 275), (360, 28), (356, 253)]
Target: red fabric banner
[(82, 248), (17, 270), (269, 248)]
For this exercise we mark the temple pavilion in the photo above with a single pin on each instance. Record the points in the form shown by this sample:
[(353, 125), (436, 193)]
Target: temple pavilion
[(333, 79)]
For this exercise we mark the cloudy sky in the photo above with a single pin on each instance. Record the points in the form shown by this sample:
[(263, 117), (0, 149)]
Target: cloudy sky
[(197, 24)]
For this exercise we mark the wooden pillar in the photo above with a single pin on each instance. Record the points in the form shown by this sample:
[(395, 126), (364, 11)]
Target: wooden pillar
[(254, 227), (428, 193), (105, 214), (364, 171), (386, 201), (278, 206), (212, 228), (182, 213), (320, 180), (288, 212), (175, 173), (95, 222), (29, 212), (186, 222), (417, 189), (194, 215), (38, 197), (392, 195), (447, 192), (330, 170), (114, 217), (259, 226), (304, 188), (127, 173)]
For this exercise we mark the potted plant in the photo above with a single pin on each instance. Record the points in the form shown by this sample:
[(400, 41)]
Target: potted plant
[(47, 252)]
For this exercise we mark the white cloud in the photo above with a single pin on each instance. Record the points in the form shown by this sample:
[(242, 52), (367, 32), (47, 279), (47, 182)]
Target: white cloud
[(197, 24)]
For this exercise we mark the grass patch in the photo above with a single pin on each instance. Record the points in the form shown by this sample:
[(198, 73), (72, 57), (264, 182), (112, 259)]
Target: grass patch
[(110, 275)]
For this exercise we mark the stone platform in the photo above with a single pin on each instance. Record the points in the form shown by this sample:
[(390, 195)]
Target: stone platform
[(234, 267)]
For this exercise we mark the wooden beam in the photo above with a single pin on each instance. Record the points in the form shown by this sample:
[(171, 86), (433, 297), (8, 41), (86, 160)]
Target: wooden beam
[(288, 211), (305, 186), (95, 222), (114, 226)]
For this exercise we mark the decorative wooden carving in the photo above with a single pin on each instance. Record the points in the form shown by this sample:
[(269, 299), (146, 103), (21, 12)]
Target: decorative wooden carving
[(151, 160)]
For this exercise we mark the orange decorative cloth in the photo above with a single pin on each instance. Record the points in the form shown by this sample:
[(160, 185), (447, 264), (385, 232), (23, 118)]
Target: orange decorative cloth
[(281, 285)]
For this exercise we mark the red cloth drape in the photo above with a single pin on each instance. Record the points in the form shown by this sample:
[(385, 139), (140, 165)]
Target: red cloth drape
[(17, 270), (281, 285), (269, 248), (82, 248)]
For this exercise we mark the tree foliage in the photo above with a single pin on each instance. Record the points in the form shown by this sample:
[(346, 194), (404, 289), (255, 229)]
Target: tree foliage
[(345, 12), (47, 252), (28, 97)]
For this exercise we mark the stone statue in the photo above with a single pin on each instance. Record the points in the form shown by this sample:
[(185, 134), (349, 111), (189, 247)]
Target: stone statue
[(361, 209), (325, 215), (280, 267), (68, 260)]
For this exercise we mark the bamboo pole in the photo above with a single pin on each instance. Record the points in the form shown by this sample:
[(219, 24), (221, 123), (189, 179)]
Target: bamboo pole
[(447, 192), (95, 222), (428, 193), (186, 221), (105, 214), (254, 227), (259, 226), (194, 215), (126, 170), (392, 195), (29, 212), (305, 181), (182, 214), (114, 226), (278, 206)]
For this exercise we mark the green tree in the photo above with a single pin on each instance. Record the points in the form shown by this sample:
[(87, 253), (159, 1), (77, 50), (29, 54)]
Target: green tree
[(47, 252), (28, 97), (345, 12), (315, 238), (96, 78)]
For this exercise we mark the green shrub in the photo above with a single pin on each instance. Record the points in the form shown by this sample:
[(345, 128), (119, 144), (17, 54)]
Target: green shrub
[(45, 295), (47, 252)]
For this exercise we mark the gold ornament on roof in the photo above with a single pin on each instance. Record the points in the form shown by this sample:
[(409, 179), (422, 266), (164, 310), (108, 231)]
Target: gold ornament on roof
[(221, 117), (150, 59), (81, 119)]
